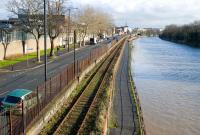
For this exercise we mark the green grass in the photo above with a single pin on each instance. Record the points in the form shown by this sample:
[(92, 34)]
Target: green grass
[(9, 62), (112, 123)]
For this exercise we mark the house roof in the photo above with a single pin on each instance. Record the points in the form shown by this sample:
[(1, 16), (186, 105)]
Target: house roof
[(19, 93)]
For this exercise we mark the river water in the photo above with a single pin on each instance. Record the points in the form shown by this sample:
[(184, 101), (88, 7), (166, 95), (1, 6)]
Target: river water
[(167, 77)]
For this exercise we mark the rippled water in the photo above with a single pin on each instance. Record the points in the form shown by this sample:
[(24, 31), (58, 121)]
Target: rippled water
[(167, 76)]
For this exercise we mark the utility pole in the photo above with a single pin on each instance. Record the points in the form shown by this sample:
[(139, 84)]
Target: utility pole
[(45, 42), (74, 52), (69, 25), (45, 46), (68, 28)]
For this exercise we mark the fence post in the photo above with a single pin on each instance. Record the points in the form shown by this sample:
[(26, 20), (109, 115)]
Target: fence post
[(73, 71), (45, 92), (10, 122), (38, 100), (23, 118), (60, 81), (78, 72), (50, 87), (90, 56), (67, 76), (77, 68)]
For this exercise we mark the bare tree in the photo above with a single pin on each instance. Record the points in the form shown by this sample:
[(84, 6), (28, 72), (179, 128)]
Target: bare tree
[(5, 39), (83, 23), (30, 15), (81, 33), (56, 21), (104, 23), (95, 22), (187, 34)]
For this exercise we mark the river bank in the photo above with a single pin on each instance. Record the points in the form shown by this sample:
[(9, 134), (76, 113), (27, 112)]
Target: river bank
[(183, 42)]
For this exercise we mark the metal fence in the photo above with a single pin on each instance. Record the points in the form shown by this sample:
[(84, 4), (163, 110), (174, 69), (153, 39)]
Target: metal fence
[(15, 121)]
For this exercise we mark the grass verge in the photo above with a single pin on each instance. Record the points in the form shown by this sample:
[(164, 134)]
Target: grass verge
[(20, 58)]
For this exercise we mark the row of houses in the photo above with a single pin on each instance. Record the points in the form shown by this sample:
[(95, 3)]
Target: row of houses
[(122, 30), (147, 31)]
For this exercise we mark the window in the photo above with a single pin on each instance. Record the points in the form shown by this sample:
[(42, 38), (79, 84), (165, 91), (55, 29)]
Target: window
[(12, 99)]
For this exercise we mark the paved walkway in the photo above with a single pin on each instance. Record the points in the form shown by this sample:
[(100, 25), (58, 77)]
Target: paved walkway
[(123, 105)]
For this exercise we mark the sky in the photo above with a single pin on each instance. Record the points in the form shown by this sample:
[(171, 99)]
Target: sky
[(140, 13)]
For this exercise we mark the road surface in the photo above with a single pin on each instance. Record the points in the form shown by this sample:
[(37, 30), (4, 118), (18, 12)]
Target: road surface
[(30, 79)]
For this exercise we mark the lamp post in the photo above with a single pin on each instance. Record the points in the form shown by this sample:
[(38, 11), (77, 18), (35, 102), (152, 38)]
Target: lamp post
[(68, 31), (45, 42), (74, 52)]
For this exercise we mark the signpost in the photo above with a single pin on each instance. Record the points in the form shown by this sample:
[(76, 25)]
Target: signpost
[(27, 49)]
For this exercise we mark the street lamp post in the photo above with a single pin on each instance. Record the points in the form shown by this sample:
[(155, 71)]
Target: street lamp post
[(68, 29), (69, 25), (69, 19), (74, 52), (45, 42)]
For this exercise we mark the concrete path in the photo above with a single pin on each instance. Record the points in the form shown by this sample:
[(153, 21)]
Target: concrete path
[(123, 105)]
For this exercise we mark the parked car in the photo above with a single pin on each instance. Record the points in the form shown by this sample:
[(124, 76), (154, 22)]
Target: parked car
[(93, 41), (1, 104), (15, 98)]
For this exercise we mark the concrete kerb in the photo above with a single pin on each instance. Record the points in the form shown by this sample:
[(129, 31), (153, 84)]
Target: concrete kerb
[(112, 88), (57, 102)]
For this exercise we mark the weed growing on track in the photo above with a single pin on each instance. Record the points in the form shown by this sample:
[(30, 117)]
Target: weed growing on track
[(54, 122), (95, 120)]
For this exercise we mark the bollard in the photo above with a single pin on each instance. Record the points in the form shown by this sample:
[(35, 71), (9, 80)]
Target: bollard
[(12, 67), (10, 122)]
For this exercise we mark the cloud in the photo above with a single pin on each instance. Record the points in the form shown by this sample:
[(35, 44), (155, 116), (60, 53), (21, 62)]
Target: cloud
[(148, 13), (141, 13)]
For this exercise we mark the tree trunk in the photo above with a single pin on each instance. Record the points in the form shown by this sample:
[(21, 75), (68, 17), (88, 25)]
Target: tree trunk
[(23, 46), (83, 41), (38, 50), (52, 48), (5, 51), (80, 43)]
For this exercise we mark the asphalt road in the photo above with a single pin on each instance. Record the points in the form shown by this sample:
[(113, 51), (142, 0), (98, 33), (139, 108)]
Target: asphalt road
[(31, 78), (123, 105)]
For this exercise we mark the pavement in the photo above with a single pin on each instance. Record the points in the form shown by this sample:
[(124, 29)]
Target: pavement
[(122, 103), (32, 77)]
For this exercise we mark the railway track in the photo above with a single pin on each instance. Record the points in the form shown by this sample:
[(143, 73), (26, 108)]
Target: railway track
[(88, 125), (75, 118)]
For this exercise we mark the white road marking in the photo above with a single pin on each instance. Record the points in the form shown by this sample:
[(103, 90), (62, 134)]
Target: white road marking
[(31, 81)]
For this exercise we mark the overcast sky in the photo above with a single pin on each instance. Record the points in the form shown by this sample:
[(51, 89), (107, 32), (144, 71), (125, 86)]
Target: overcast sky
[(142, 13)]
